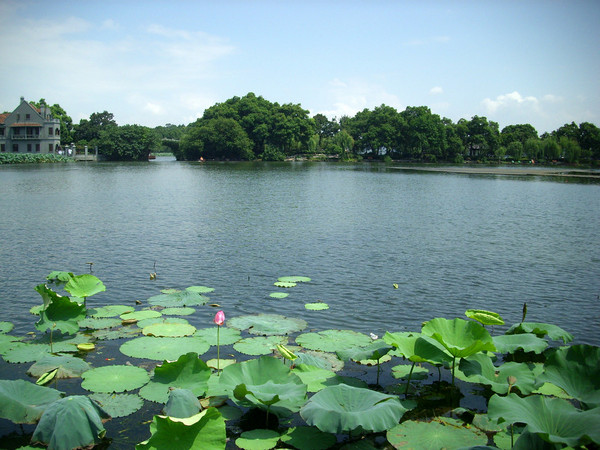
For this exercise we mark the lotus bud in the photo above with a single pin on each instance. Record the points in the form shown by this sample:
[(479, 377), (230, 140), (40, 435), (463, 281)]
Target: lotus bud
[(219, 318)]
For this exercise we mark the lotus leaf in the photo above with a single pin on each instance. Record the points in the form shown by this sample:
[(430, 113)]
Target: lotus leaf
[(316, 306), (24, 402), (554, 419), (110, 311), (84, 286), (258, 439), (167, 329), (61, 342), (278, 295), (510, 343), (119, 333), (163, 348), (61, 314), (267, 324), (552, 390), (140, 315), (479, 368), (188, 372), (460, 337), (418, 348), (220, 363), (7, 342), (35, 310), (259, 345), (308, 438), (48, 295), (185, 311), (484, 317), (162, 319), (182, 403), (264, 383), (99, 323), (6, 327), (200, 289), (68, 366), (554, 332), (333, 340), (71, 422), (316, 378), (178, 299), (374, 350), (227, 336), (204, 431), (328, 361), (116, 378), (59, 277), (342, 408), (118, 405), (405, 371), (575, 369), (284, 284), (294, 279), (23, 353), (434, 435)]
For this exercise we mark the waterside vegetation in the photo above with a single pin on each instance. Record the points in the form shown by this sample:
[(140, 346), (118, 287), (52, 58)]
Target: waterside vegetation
[(282, 386)]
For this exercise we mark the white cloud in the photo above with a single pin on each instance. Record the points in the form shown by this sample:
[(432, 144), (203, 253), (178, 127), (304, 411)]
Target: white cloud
[(511, 100), (436, 90)]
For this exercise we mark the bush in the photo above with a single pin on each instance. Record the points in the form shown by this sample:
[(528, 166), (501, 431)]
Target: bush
[(23, 158)]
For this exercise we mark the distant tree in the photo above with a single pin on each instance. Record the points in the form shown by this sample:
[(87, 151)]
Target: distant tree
[(550, 148), (218, 138), (66, 123), (326, 128), (521, 133), (87, 132), (589, 139), (570, 149), (127, 143)]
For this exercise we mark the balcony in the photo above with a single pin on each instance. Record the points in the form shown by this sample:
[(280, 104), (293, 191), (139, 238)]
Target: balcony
[(23, 137)]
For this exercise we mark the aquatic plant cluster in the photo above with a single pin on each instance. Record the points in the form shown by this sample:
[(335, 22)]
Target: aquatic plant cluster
[(288, 388)]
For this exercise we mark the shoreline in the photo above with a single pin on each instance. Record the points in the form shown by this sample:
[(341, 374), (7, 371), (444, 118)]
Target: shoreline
[(517, 171)]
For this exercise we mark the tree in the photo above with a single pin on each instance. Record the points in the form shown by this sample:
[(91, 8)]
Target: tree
[(127, 143), (66, 123), (482, 138), (218, 138), (589, 139), (88, 131), (326, 128), (521, 133)]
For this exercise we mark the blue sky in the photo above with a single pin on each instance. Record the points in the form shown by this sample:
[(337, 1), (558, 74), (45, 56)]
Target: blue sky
[(157, 62)]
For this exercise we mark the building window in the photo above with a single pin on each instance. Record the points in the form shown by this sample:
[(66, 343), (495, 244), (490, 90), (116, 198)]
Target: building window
[(37, 148), (29, 148), (27, 116), (57, 132), (50, 148), (16, 131), (2, 148), (1, 131), (50, 131), (15, 148)]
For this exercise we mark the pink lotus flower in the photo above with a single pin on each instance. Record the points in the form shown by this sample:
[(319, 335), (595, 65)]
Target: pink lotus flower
[(220, 318)]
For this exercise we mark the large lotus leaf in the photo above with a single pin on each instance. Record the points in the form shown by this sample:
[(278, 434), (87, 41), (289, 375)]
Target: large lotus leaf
[(20, 352), (267, 324), (7, 342), (265, 383), (5, 327), (373, 350), (293, 279), (575, 369), (188, 372), (484, 317), (169, 329), (61, 314), (342, 408), (227, 336), (66, 343), (316, 378), (263, 345), (182, 403), (118, 405), (68, 366), (460, 337), (554, 419), (110, 311), (328, 361), (59, 277), (140, 315), (418, 348), (97, 323), (434, 436), (333, 340), (24, 402), (71, 422), (175, 311), (118, 378), (479, 368), (308, 438), (47, 294), (510, 343), (163, 348), (204, 431), (162, 319), (554, 332), (258, 439), (178, 299), (85, 285), (200, 289)]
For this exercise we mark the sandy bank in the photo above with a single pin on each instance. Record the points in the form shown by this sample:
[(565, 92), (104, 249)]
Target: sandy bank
[(514, 171)]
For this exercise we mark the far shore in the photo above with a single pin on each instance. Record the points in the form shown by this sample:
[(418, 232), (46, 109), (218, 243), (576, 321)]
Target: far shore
[(515, 171)]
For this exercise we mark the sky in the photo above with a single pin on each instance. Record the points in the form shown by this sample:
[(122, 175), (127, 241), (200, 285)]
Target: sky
[(158, 62)]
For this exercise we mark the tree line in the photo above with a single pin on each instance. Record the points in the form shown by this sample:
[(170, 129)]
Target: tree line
[(251, 127)]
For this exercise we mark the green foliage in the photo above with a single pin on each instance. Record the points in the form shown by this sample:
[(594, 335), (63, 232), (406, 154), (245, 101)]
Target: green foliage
[(182, 403), (24, 402), (117, 378), (434, 435), (127, 143), (31, 158)]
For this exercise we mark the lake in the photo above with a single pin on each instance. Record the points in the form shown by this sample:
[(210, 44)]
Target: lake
[(449, 241)]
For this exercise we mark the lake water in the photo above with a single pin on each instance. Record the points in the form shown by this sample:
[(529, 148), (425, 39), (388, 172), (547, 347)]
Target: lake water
[(449, 241)]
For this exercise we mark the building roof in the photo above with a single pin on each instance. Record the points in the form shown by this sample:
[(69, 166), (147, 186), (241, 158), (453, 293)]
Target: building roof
[(26, 124), (3, 117)]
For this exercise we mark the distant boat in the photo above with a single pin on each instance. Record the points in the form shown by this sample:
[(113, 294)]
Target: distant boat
[(151, 156)]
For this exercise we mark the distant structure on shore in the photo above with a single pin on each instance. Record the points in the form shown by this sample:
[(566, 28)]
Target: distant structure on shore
[(29, 130)]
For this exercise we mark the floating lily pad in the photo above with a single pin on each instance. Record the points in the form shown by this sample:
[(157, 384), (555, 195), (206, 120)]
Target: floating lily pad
[(200, 289), (163, 348), (293, 279), (119, 333), (167, 329), (434, 435), (316, 306), (316, 378), (267, 324), (23, 353), (99, 323), (258, 439), (117, 378), (221, 363), (140, 315), (162, 319), (179, 299), (110, 311), (227, 336), (118, 405), (184, 311), (259, 345), (8, 341), (308, 438), (6, 327), (24, 402), (333, 340), (279, 295), (188, 372), (66, 343), (403, 371), (68, 366), (284, 284)]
